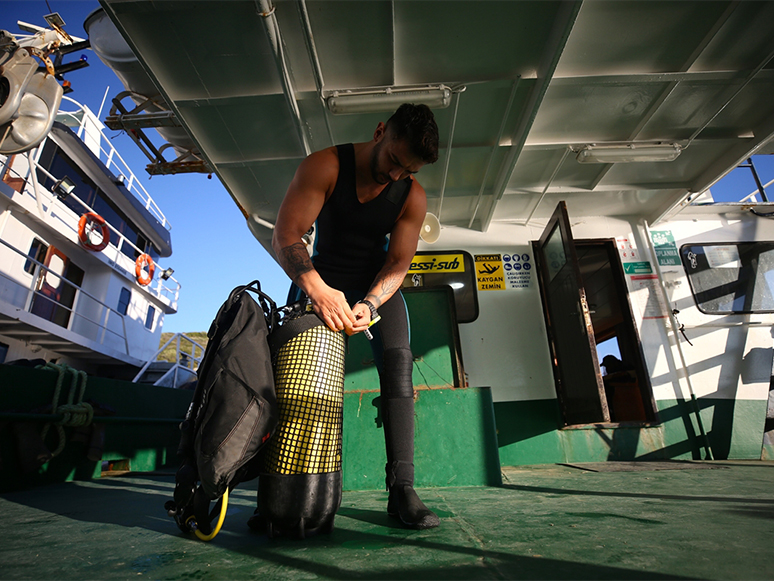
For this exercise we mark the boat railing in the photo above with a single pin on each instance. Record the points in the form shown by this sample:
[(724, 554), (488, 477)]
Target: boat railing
[(753, 196), (112, 159), (101, 321), (160, 287), (185, 360)]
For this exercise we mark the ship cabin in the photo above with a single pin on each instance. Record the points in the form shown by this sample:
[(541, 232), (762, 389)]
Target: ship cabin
[(82, 242)]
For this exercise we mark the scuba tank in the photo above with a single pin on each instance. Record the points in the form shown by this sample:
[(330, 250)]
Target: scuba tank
[(299, 488)]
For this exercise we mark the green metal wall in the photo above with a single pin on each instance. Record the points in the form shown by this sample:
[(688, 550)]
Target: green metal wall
[(528, 433), (148, 443), (455, 436)]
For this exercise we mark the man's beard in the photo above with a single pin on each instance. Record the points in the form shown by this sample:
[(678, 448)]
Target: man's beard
[(378, 177)]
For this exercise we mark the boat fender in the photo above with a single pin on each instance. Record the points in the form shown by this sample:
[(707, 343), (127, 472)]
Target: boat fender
[(83, 236), (144, 278)]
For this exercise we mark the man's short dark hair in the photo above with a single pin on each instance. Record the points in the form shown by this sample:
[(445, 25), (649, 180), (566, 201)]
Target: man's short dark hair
[(416, 124)]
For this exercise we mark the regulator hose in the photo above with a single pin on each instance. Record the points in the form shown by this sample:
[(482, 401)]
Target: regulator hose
[(221, 518)]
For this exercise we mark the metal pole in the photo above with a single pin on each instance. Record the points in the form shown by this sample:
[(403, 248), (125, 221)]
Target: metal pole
[(448, 156), (275, 40), (674, 327)]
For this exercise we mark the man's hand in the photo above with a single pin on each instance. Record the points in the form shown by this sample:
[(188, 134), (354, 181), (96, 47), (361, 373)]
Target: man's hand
[(332, 307), (362, 318)]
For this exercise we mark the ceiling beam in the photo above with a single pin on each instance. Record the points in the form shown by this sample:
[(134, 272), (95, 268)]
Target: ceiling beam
[(557, 40)]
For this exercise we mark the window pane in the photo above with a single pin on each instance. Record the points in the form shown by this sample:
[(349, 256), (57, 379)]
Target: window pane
[(37, 252), (731, 278), (149, 317), (123, 301), (554, 253)]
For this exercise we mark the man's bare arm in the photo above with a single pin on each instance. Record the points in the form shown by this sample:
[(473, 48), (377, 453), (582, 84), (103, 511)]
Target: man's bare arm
[(306, 195), (295, 260), (388, 281), (403, 246)]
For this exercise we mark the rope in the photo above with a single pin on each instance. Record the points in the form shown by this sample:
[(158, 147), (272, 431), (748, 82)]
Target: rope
[(75, 414)]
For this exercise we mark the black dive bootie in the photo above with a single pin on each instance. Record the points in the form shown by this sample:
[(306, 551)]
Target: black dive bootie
[(404, 504), (397, 407)]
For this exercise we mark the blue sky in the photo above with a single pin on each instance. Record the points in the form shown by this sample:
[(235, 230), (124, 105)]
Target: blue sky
[(213, 250)]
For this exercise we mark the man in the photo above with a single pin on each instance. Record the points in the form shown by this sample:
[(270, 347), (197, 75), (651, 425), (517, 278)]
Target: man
[(357, 195)]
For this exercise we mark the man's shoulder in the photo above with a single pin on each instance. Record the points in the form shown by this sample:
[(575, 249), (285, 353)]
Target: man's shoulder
[(327, 155), (416, 188), (322, 164)]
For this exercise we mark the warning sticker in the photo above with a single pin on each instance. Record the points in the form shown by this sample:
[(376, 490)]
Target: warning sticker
[(627, 248), (489, 272), (722, 256), (517, 269)]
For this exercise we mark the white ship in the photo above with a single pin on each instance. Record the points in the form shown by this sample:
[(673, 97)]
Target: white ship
[(82, 243)]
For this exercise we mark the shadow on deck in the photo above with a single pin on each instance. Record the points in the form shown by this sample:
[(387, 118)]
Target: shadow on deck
[(545, 522)]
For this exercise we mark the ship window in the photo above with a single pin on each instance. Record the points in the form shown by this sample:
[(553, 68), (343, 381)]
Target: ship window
[(37, 252), (55, 291), (452, 268), (3, 352), (731, 278), (58, 163), (123, 301), (149, 317)]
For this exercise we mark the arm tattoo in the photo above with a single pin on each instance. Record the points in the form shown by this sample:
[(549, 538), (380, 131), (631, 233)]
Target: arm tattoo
[(390, 283), (386, 285), (295, 260)]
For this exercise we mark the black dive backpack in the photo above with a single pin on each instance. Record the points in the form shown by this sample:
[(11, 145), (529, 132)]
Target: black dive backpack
[(233, 411)]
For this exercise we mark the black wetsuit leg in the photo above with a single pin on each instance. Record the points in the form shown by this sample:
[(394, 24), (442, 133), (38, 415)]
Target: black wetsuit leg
[(394, 360)]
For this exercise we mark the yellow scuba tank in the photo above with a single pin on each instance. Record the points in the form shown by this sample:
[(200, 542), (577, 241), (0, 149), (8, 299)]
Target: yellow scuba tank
[(299, 488)]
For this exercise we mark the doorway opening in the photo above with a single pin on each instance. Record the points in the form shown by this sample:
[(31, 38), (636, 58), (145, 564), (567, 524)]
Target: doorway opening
[(619, 353), (591, 327)]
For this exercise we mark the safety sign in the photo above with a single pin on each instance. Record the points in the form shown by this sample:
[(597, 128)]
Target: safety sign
[(666, 249), (489, 272), (647, 295), (637, 268), (503, 271)]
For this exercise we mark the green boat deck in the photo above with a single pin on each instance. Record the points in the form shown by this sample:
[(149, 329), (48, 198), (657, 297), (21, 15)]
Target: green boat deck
[(618, 520)]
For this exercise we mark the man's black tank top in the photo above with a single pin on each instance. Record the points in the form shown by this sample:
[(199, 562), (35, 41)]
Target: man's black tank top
[(351, 238)]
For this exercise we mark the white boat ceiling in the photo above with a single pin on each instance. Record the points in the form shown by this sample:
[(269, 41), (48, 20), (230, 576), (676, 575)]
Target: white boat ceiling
[(542, 80)]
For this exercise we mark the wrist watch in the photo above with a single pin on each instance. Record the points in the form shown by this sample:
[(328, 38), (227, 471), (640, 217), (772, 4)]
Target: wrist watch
[(371, 307)]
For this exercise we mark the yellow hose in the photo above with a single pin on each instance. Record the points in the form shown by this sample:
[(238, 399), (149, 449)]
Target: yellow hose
[(221, 518)]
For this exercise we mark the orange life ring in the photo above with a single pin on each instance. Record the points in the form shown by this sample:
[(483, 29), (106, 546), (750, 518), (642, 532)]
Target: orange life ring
[(139, 269), (83, 238)]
